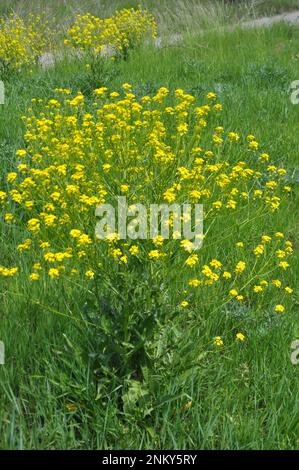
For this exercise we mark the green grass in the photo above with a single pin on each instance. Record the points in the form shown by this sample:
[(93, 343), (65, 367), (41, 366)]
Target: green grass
[(242, 397)]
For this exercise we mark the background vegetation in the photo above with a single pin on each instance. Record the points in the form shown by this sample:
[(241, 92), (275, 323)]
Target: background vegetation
[(237, 397)]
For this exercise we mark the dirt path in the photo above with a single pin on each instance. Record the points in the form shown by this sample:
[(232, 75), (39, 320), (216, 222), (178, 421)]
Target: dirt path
[(291, 17)]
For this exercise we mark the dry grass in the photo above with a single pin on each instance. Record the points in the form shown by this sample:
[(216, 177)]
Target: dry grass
[(173, 16)]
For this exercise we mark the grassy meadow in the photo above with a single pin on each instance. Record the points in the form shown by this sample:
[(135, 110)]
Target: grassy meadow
[(58, 387)]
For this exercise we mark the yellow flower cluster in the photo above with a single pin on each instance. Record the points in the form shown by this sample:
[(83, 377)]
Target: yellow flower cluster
[(127, 28), (158, 149), (218, 341), (21, 42)]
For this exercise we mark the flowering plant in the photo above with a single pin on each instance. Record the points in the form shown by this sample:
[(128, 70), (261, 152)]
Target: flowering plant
[(157, 149), (21, 42), (126, 29)]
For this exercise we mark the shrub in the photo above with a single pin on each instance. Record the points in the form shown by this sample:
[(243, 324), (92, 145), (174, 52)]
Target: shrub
[(123, 31), (21, 42), (159, 149)]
